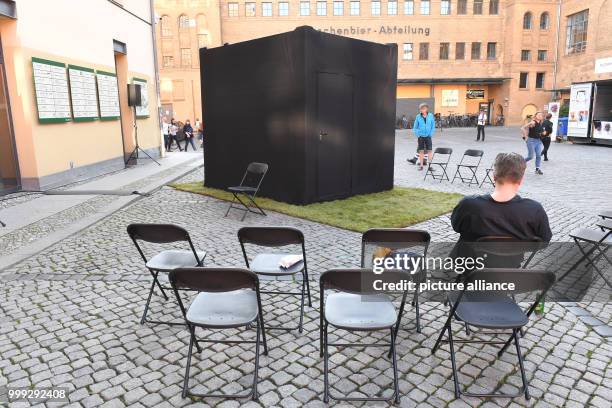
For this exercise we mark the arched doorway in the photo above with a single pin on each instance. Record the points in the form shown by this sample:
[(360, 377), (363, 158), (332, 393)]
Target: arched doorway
[(528, 111)]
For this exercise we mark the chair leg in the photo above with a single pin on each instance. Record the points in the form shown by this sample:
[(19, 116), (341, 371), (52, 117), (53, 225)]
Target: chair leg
[(300, 328), (455, 176), (453, 362), (308, 288), (263, 333), (255, 374), (146, 309), (417, 310), (520, 359), (395, 376), (325, 367), (231, 205), (186, 380)]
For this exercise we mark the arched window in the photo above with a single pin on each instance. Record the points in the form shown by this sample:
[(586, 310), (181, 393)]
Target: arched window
[(183, 22), (544, 21), (527, 21), (166, 28)]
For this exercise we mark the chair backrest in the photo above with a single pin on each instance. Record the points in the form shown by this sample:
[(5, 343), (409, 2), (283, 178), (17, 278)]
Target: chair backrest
[(360, 281), (157, 233), (270, 236), (443, 150), (391, 239), (506, 246), (213, 279), (524, 280), (473, 153), (254, 175)]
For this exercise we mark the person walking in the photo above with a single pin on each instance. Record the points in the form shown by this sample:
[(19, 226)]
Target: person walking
[(546, 133), (166, 132), (480, 125), (173, 131), (188, 131), (424, 128), (532, 134)]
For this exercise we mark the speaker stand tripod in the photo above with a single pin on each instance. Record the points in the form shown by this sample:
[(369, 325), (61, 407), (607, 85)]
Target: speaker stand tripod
[(137, 148)]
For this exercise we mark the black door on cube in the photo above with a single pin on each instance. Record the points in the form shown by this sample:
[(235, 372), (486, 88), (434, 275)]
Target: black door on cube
[(335, 121)]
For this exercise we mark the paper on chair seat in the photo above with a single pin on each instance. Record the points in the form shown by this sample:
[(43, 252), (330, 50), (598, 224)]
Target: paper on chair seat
[(288, 261)]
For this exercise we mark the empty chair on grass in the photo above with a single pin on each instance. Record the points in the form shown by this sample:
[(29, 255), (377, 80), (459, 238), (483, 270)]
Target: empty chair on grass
[(244, 194)]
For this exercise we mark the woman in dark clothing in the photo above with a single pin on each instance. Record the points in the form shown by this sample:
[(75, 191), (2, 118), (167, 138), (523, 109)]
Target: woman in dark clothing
[(188, 131), (548, 128)]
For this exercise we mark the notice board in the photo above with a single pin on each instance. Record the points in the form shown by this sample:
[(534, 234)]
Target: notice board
[(142, 111), (108, 95), (51, 88), (83, 93)]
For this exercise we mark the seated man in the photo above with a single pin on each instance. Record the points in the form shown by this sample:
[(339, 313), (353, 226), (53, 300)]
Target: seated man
[(502, 213)]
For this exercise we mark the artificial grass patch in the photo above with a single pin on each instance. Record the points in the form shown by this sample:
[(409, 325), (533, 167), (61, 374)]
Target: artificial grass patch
[(399, 207)]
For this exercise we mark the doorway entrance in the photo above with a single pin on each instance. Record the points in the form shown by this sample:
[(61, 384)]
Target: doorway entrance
[(335, 120), (127, 116), (9, 170)]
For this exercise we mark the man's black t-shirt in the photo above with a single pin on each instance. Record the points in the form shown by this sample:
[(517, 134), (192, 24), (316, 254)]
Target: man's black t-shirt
[(548, 127), (479, 216)]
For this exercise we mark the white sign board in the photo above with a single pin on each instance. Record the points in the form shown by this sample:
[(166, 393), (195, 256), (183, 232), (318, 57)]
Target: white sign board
[(51, 87), (83, 93), (580, 106), (450, 97), (602, 130), (108, 95), (603, 65), (553, 109), (142, 111)]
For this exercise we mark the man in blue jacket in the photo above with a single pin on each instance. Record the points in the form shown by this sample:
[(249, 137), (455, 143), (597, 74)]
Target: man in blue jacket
[(424, 128)]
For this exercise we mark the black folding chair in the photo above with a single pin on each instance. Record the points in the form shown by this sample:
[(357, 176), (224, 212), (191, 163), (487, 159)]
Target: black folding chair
[(606, 214), (164, 261), (496, 311), (228, 298), (506, 251), (391, 242), (470, 160), (440, 151), (356, 306), (269, 264), (487, 178), (247, 190)]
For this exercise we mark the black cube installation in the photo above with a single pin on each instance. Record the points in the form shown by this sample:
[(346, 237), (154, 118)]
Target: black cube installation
[(318, 108)]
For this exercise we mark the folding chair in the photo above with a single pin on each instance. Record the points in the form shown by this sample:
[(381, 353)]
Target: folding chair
[(474, 157), (495, 311), (356, 306), (228, 298), (248, 189), (389, 242), (164, 261), (444, 151), (268, 264), (487, 178), (506, 251)]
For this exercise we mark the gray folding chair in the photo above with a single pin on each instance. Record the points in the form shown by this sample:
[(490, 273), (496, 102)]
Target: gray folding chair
[(164, 261), (487, 178), (247, 190), (356, 306), (442, 163), (397, 241), (593, 245), (228, 298), (471, 161), (496, 311), (268, 264)]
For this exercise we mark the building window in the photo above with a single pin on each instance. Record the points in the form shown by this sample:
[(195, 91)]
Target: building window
[(445, 7), (477, 7), (183, 22), (232, 9), (202, 40), (408, 51), (525, 55), (266, 9), (354, 8), (168, 61), (376, 8), (460, 50), (542, 55), (523, 80), (527, 21), (539, 80), (283, 8), (185, 57), (494, 7), (338, 8), (304, 8), (178, 89), (321, 8), (577, 25), (249, 9), (166, 28), (424, 7), (475, 50), (392, 7), (409, 7), (444, 50), (424, 51), (491, 51), (461, 7), (544, 21)]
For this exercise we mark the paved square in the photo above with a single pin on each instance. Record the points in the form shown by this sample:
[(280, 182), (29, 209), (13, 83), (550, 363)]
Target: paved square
[(70, 314)]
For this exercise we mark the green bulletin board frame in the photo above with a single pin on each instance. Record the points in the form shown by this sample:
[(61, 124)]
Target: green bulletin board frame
[(87, 118), (57, 64), (105, 118)]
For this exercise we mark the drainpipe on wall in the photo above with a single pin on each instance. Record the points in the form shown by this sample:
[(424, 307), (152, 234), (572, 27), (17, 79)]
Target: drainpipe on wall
[(554, 94), (155, 61)]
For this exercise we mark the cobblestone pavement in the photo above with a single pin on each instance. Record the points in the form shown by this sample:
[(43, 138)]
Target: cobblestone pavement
[(70, 316)]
